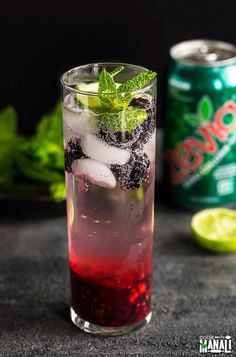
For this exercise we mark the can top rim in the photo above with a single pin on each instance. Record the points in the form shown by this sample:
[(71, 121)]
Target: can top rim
[(182, 52)]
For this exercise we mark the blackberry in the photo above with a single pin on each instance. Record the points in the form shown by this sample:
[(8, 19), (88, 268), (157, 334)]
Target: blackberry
[(73, 152), (119, 139), (141, 103), (131, 175), (149, 124), (147, 127)]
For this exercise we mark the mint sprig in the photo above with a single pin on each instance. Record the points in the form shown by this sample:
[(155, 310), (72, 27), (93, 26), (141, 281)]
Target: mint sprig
[(119, 96), (116, 114)]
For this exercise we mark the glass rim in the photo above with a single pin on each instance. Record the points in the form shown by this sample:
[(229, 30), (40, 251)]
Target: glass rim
[(90, 94)]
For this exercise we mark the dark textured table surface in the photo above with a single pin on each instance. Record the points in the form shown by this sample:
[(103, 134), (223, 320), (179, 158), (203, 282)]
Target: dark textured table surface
[(194, 294)]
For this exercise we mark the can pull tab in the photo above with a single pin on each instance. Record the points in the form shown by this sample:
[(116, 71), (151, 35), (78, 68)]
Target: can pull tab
[(205, 54)]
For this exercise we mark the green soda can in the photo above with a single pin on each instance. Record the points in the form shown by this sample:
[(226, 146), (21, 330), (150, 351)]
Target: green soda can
[(200, 133)]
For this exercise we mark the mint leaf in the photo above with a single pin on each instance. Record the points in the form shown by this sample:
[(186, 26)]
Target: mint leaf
[(50, 127), (205, 108), (137, 82), (116, 71), (58, 191), (106, 88), (124, 120), (8, 123), (106, 83), (40, 160), (7, 149)]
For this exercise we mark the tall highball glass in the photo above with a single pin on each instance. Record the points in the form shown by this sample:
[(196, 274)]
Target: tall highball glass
[(109, 138)]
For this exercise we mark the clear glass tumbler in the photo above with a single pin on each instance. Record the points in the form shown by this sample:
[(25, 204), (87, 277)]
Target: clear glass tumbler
[(109, 139)]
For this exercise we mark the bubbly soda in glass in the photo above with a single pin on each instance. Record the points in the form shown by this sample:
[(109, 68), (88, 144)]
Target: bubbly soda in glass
[(109, 137)]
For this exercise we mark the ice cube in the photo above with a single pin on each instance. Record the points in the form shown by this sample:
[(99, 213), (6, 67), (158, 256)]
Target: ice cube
[(70, 103), (77, 124), (150, 147), (95, 172), (103, 152)]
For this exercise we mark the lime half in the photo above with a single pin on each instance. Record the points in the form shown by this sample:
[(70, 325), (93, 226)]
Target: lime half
[(215, 229)]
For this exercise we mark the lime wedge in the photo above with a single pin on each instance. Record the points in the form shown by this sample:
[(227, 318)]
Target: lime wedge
[(90, 101), (215, 229), (87, 100)]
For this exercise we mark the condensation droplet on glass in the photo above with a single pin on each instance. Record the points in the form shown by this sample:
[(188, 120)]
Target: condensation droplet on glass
[(96, 221), (83, 216)]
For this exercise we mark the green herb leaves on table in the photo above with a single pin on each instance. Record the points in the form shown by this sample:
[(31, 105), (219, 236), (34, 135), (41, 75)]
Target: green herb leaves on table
[(35, 165)]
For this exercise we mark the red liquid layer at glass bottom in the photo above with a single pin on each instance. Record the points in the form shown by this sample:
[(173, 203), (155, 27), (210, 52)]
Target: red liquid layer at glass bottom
[(105, 301)]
